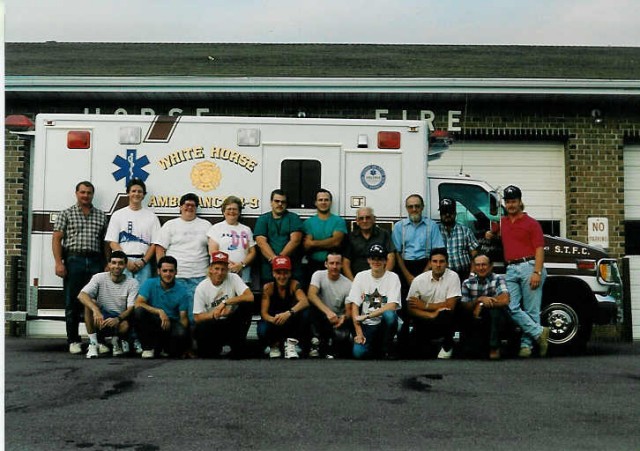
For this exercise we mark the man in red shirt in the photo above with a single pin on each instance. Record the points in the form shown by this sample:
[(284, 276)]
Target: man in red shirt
[(523, 244)]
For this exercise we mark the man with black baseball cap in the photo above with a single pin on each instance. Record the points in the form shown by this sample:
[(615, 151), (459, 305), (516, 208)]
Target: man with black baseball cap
[(459, 240), (374, 299), (523, 244)]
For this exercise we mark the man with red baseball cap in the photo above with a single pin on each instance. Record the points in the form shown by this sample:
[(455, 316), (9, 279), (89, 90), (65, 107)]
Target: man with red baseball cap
[(284, 311), (221, 310)]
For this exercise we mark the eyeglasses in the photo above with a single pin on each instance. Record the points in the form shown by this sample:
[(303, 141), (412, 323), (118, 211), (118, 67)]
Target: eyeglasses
[(278, 201), (363, 218), (414, 207)]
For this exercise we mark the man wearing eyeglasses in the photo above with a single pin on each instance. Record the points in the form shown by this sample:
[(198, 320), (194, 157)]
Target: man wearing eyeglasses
[(279, 232), (414, 237), (359, 241)]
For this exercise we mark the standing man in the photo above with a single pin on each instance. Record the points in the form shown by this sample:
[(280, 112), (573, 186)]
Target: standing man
[(79, 253), (221, 309), (374, 299), (279, 232), (431, 303), (161, 312), (523, 244), (133, 229), (360, 240), (185, 239), (460, 242), (108, 301), (330, 316), (485, 299), (414, 237), (323, 232)]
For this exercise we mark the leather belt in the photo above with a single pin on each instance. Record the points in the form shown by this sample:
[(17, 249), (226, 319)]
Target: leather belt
[(521, 260)]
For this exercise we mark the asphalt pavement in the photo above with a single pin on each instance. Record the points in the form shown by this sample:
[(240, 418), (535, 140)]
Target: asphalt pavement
[(56, 401)]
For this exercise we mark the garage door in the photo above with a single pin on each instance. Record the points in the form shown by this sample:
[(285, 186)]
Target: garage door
[(536, 168), (631, 183)]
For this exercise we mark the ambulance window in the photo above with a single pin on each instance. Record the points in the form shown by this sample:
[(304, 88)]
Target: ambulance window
[(300, 179), (473, 205)]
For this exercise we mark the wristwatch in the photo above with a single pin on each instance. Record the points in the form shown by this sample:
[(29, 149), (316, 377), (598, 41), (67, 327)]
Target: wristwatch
[(224, 302), (538, 273)]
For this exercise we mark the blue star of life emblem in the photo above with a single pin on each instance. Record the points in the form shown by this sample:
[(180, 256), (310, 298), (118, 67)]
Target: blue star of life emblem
[(131, 167)]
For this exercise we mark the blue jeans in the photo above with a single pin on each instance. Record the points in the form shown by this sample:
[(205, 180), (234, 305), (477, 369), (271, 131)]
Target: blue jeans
[(79, 272), (142, 275), (190, 283), (525, 303), (378, 337)]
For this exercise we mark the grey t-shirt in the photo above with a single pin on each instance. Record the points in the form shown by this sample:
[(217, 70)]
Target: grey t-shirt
[(332, 292)]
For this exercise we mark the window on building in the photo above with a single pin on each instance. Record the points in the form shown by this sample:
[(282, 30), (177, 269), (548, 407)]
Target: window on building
[(300, 179)]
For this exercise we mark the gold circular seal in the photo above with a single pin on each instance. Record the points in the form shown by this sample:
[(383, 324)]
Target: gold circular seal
[(206, 176)]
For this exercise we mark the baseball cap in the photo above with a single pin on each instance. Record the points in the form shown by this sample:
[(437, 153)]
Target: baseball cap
[(512, 192), (219, 257), (447, 205), (280, 262), (377, 251)]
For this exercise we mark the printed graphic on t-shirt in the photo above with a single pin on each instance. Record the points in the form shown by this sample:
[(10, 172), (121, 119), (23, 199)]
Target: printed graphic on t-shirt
[(373, 301), (240, 241), (216, 302)]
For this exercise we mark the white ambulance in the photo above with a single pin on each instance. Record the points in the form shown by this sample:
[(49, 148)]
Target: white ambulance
[(375, 163)]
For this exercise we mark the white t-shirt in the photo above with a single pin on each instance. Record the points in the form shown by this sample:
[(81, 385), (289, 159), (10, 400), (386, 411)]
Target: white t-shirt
[(187, 242), (333, 293), (111, 296), (134, 230), (429, 290), (235, 240), (370, 293), (208, 296)]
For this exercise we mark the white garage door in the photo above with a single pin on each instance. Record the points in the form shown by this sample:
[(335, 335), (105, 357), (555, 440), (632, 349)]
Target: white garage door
[(631, 183), (536, 168)]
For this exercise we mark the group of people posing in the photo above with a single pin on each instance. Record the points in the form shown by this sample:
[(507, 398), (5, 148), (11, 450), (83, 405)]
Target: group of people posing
[(326, 291)]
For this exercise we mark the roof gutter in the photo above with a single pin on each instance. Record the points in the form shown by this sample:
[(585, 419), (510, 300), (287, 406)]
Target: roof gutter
[(322, 85)]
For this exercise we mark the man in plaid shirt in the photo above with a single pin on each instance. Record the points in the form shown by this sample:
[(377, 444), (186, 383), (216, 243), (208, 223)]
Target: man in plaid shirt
[(484, 302), (78, 251), (460, 242)]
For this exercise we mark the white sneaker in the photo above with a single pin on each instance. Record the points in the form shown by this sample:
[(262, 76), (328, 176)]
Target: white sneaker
[(315, 347), (103, 349), (116, 348), (75, 348), (274, 352), (290, 351), (137, 346), (226, 350), (92, 351), (148, 354), (125, 347), (445, 354)]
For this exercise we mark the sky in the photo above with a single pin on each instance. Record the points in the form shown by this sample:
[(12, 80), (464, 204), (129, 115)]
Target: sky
[(501, 22)]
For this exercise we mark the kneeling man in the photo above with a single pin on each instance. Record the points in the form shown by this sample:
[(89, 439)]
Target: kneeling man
[(431, 302), (108, 302), (222, 310)]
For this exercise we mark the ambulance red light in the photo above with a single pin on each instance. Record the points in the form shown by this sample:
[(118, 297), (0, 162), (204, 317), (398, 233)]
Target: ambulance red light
[(78, 139), (388, 140), (18, 122)]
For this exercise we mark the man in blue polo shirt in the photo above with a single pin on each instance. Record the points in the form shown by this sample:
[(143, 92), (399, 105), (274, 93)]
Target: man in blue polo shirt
[(161, 312)]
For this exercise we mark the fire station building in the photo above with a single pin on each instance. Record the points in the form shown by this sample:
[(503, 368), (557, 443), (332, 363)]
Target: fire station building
[(562, 123)]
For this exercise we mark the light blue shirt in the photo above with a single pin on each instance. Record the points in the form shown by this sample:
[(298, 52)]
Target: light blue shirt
[(410, 239)]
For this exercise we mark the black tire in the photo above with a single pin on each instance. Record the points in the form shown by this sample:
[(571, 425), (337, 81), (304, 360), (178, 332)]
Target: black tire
[(569, 327)]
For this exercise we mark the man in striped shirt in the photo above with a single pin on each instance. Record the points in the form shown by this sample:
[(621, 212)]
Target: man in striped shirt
[(108, 301), (460, 242)]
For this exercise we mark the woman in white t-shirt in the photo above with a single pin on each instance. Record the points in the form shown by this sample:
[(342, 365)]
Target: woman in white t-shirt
[(234, 238)]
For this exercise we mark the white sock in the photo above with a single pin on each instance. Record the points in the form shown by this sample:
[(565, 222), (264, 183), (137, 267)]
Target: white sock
[(93, 339)]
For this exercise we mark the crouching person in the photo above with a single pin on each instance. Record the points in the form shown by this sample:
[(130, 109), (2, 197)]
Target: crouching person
[(108, 301), (161, 312), (374, 299), (431, 304), (330, 317), (222, 310), (283, 310), (485, 298)]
